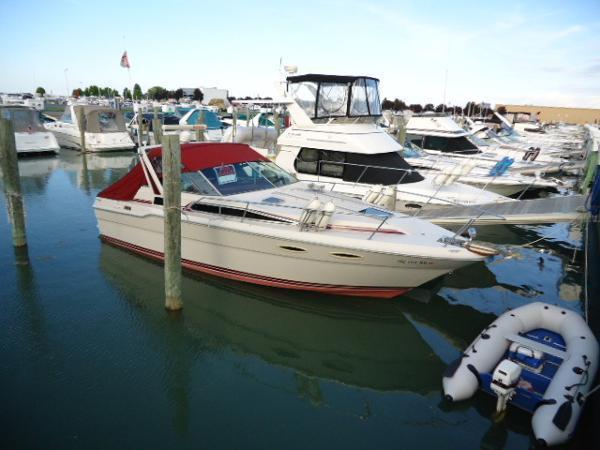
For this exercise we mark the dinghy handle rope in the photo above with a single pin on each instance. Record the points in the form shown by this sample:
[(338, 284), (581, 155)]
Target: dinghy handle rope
[(545, 236), (592, 391), (583, 372)]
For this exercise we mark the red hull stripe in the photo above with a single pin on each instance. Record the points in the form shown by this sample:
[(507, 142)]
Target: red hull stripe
[(357, 291)]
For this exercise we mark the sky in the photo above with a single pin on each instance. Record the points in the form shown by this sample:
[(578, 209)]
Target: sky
[(521, 52)]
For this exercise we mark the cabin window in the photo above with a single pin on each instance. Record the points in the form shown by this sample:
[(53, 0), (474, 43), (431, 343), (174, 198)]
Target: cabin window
[(234, 212), (333, 100), (380, 168), (358, 102), (373, 97), (307, 161), (332, 163), (305, 95), (449, 145), (107, 121), (22, 119), (321, 162)]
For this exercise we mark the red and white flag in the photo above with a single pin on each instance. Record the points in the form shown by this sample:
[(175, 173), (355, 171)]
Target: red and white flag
[(125, 60)]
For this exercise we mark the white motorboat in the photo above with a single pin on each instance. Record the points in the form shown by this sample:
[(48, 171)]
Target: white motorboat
[(104, 129), (496, 179), (438, 134), (538, 357), (334, 141), (30, 134), (245, 218)]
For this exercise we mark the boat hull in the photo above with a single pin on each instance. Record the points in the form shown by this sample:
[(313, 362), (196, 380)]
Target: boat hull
[(251, 255), (69, 137)]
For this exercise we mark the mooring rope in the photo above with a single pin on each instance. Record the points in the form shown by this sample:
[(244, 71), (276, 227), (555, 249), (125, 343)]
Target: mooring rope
[(585, 267)]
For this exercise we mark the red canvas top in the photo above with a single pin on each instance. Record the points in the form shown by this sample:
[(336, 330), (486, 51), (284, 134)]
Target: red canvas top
[(194, 157)]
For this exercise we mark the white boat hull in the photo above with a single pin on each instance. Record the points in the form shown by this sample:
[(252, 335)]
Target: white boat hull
[(68, 136), (235, 250), (36, 142)]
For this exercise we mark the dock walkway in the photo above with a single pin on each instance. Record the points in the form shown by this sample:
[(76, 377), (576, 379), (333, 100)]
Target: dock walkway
[(540, 210)]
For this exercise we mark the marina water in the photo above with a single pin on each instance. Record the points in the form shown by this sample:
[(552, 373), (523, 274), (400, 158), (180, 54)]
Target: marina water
[(90, 358)]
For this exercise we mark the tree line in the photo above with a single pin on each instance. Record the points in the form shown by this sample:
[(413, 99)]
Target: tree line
[(470, 109), (154, 93)]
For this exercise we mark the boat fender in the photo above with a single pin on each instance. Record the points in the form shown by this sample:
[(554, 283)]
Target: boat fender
[(325, 215), (475, 372), (309, 215), (372, 194), (481, 249)]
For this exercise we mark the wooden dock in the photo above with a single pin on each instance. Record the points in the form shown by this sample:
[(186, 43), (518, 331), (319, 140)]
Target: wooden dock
[(540, 210)]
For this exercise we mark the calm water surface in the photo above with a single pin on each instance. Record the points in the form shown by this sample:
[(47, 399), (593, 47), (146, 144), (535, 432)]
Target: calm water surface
[(90, 358)]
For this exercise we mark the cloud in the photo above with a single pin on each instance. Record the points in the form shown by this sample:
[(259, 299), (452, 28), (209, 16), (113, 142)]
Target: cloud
[(593, 68), (566, 32)]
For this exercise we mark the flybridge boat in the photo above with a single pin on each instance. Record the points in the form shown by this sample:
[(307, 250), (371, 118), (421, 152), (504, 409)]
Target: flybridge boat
[(244, 218), (104, 129), (30, 134), (334, 141)]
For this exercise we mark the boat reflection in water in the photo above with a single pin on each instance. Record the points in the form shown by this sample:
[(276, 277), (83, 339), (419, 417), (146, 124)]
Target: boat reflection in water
[(367, 344), (94, 171)]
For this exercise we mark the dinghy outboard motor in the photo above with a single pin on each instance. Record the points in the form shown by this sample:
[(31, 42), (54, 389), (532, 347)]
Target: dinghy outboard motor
[(504, 382)]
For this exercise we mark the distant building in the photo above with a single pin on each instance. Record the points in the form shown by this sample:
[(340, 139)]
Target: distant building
[(209, 94), (558, 114)]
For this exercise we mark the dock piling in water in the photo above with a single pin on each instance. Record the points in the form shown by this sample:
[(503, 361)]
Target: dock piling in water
[(171, 160), (80, 114), (12, 184), (156, 127), (200, 130)]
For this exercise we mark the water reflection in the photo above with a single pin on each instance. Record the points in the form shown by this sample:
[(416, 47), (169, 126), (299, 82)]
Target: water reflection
[(366, 343), (94, 171), (549, 270)]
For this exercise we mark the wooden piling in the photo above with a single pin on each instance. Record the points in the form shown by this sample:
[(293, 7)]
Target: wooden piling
[(234, 124), (140, 122), (201, 121), (171, 161), (156, 127), (12, 184), (401, 130), (80, 115), (277, 121)]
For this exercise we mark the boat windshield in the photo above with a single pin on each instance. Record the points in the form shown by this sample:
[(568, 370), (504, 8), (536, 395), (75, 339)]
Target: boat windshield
[(478, 141), (23, 120), (230, 179), (107, 122)]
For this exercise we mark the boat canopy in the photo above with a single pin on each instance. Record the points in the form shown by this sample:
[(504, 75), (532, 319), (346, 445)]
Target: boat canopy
[(24, 120), (103, 120), (327, 96), (194, 157), (211, 120)]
